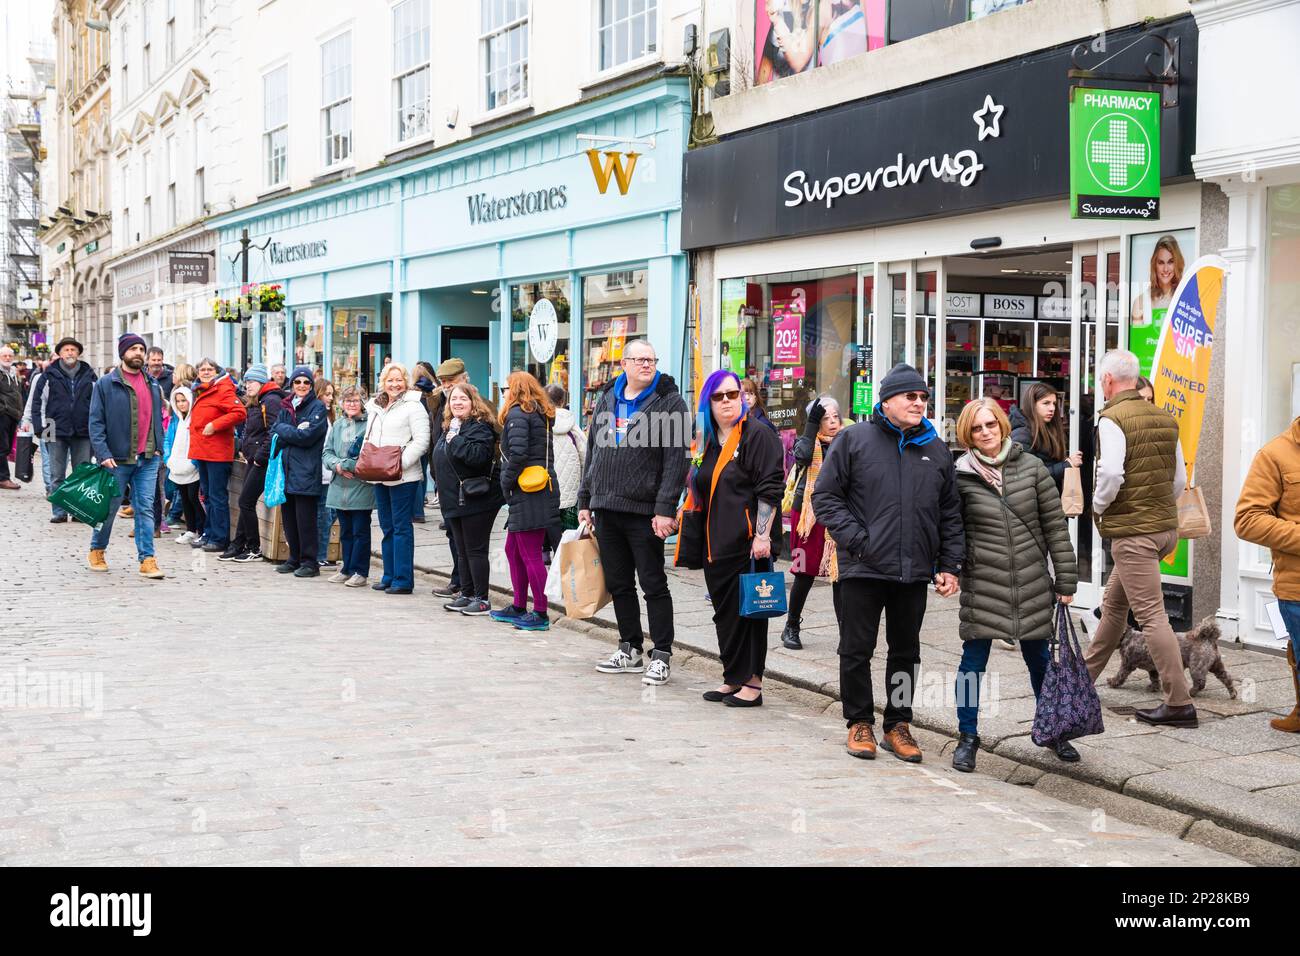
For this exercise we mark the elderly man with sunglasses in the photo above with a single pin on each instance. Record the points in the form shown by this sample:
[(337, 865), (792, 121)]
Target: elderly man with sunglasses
[(636, 467), (887, 495)]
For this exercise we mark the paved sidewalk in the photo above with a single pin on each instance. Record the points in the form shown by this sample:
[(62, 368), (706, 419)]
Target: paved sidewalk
[(232, 716), (1234, 771)]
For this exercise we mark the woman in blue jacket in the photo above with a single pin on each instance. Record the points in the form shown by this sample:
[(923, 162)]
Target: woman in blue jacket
[(301, 430)]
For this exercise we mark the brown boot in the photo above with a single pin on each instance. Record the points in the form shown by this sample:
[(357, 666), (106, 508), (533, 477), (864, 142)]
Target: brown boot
[(149, 569), (97, 562), (862, 741), (1290, 724), (898, 741)]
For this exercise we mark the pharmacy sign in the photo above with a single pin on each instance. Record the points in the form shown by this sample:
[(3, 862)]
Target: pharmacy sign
[(1114, 154)]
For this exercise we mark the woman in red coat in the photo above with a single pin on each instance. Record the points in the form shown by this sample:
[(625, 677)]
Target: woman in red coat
[(216, 413)]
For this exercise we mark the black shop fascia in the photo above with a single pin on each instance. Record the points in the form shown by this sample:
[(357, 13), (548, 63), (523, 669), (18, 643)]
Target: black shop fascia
[(992, 137)]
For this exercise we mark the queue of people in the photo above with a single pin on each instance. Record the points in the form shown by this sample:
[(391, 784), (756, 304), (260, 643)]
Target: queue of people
[(881, 508)]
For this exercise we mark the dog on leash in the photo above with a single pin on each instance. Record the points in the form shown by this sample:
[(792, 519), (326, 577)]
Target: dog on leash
[(1200, 650)]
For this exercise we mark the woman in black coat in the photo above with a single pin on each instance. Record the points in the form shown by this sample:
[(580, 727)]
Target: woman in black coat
[(1038, 425), (465, 469), (526, 419), (736, 484), (263, 398), (301, 429)]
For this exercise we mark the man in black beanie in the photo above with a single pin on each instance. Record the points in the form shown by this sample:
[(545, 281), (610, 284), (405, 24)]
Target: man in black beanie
[(892, 475)]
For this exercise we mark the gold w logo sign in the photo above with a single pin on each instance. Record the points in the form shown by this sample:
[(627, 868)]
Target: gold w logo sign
[(613, 165)]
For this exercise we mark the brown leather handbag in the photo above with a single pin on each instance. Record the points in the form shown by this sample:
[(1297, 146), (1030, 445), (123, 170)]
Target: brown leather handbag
[(378, 462)]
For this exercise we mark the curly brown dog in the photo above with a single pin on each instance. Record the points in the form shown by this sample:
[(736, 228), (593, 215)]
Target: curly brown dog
[(1200, 649)]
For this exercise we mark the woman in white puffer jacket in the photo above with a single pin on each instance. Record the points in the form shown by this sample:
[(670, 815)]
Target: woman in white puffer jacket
[(397, 417)]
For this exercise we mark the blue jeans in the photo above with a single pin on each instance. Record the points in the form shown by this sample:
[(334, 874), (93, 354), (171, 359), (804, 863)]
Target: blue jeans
[(1291, 618), (424, 490), (214, 481), (974, 659), (46, 473), (324, 521), (396, 505), (173, 493), (354, 541), (142, 476)]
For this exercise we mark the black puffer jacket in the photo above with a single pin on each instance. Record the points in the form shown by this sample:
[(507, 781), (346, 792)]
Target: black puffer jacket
[(890, 502), (1021, 432), (472, 453), (256, 445), (1006, 590), (526, 441), (62, 401)]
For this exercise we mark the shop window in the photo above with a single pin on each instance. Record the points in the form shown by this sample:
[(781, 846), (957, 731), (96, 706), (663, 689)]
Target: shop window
[(539, 330), (614, 313), (629, 30), (504, 45), (273, 328), (411, 68), (336, 99), (1282, 298), (346, 328), (309, 338), (794, 335)]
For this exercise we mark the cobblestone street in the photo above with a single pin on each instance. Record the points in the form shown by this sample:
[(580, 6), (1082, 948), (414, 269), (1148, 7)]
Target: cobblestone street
[(226, 715)]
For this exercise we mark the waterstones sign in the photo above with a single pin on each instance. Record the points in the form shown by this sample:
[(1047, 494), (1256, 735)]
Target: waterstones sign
[(485, 208), (985, 139), (296, 252), (1114, 154)]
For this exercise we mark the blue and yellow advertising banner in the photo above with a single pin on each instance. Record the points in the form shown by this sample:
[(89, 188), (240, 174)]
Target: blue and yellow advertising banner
[(1180, 375)]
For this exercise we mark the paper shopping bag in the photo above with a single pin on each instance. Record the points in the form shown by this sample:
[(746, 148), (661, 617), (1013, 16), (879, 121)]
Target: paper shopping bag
[(1072, 493), (1193, 515), (582, 577)]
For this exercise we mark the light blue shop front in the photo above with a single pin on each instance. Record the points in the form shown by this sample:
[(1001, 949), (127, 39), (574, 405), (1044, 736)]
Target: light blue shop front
[(453, 252)]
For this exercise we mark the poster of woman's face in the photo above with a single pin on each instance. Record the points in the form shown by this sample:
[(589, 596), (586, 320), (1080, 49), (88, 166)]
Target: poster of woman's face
[(1157, 262), (785, 38)]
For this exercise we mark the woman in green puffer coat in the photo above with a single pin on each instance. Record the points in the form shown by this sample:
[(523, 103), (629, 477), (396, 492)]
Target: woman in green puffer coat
[(1012, 514)]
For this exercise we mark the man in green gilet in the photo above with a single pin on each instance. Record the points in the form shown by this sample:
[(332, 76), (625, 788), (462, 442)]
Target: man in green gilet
[(1140, 474)]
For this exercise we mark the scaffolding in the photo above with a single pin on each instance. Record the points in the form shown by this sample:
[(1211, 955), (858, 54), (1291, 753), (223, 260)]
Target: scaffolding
[(21, 289)]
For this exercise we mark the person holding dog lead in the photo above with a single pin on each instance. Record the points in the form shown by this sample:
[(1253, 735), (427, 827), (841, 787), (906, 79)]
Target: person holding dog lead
[(1017, 541)]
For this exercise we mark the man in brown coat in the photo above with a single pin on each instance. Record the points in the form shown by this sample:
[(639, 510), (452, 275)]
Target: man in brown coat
[(1140, 474), (1268, 514)]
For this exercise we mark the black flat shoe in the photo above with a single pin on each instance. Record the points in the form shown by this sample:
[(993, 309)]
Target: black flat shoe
[(379, 586), (401, 590), (1066, 752), (731, 700), (287, 568), (718, 696), (963, 758)]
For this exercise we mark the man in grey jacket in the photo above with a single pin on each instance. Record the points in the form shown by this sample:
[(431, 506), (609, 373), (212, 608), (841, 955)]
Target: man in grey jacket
[(637, 447)]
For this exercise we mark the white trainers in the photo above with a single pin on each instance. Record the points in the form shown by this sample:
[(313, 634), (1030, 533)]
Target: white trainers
[(625, 660), (185, 537), (657, 672), (338, 577)]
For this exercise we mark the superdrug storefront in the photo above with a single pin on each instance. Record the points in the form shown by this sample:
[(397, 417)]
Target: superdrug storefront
[(934, 225)]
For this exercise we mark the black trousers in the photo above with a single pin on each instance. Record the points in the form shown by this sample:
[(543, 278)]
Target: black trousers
[(862, 600), (473, 533), (628, 546), (742, 641), (7, 429), (192, 507), (799, 596), (456, 580), (299, 515), (247, 533)]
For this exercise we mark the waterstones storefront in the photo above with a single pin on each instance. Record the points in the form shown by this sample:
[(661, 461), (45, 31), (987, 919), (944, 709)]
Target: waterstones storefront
[(503, 250), (935, 225)]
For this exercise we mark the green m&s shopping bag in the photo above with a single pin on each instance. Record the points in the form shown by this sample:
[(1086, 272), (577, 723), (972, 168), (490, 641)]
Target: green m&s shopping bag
[(87, 494)]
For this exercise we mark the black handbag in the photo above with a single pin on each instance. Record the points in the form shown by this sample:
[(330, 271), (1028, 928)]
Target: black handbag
[(473, 487), (23, 467)]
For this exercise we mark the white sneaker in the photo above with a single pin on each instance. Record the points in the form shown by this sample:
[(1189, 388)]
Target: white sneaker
[(356, 581), (338, 577), (657, 672), (185, 537), (625, 660)]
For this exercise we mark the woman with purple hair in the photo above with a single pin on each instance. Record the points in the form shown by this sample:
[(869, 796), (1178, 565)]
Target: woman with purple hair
[(736, 481)]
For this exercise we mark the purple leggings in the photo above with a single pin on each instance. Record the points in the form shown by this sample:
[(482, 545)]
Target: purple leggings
[(524, 553)]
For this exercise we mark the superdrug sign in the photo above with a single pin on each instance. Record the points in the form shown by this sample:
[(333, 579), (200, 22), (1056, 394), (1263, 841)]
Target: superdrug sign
[(991, 137)]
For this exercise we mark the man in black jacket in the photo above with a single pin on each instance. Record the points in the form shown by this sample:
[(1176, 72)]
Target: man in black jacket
[(61, 414), (636, 468), (887, 495)]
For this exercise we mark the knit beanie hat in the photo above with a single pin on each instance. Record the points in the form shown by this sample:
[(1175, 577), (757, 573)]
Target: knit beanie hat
[(302, 371), (257, 373), (902, 378), (127, 341)]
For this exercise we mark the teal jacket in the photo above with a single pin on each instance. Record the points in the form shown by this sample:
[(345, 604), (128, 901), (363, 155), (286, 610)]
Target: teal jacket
[(346, 494)]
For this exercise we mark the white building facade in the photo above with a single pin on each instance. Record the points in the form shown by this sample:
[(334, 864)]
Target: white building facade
[(1251, 150), (176, 132)]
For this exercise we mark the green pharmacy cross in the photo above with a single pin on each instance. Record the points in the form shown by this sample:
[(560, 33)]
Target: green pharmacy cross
[(1117, 153)]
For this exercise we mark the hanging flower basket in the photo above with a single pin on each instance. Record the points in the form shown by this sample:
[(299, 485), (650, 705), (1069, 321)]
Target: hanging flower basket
[(263, 297)]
